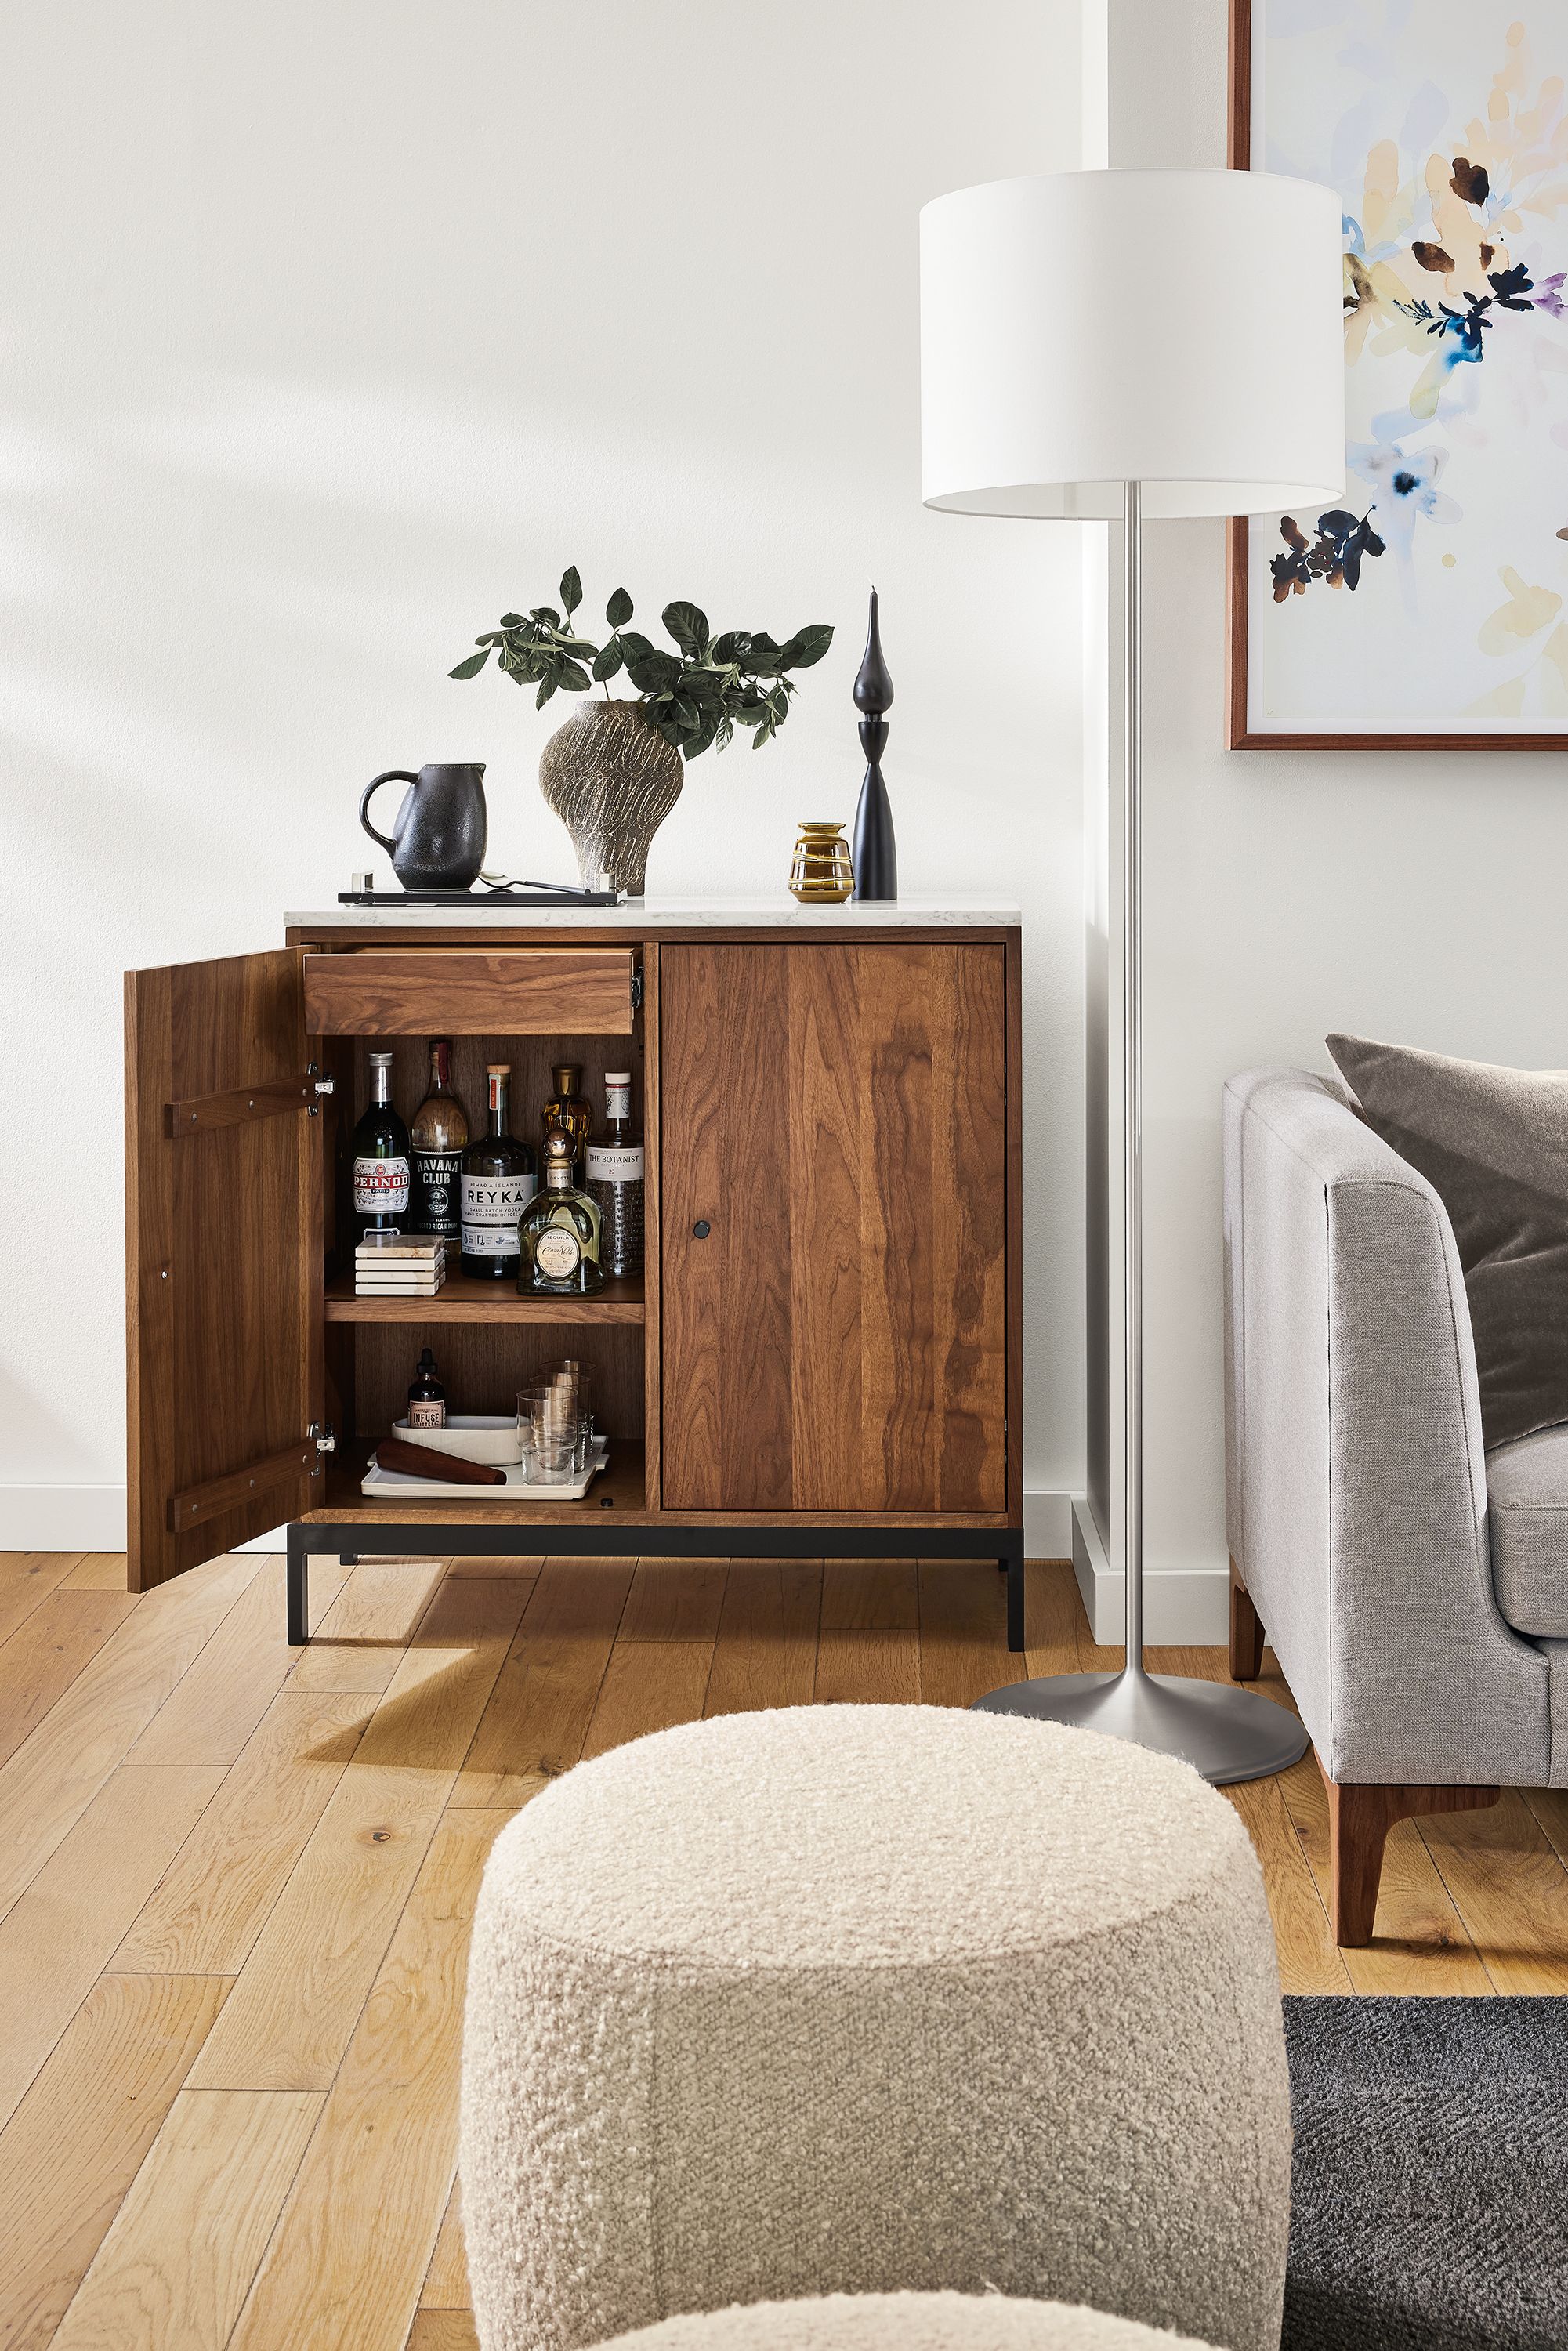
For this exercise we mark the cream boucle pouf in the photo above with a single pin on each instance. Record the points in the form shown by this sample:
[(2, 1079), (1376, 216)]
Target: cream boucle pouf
[(904, 2322), (851, 1999)]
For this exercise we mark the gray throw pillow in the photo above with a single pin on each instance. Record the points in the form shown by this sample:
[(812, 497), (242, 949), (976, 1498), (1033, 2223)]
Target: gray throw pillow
[(1493, 1145)]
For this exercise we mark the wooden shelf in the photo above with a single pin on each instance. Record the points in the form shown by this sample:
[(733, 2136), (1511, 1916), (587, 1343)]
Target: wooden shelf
[(620, 1485), (461, 1299)]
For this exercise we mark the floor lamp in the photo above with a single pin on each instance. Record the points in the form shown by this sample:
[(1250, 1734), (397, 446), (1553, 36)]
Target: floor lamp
[(1128, 345)]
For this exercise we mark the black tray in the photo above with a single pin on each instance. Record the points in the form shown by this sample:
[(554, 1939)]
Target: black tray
[(530, 894)]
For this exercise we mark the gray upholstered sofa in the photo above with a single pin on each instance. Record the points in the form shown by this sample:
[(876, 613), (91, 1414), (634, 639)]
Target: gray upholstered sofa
[(1414, 1588)]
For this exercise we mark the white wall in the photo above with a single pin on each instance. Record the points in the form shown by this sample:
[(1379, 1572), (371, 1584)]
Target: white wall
[(332, 332), (1408, 896)]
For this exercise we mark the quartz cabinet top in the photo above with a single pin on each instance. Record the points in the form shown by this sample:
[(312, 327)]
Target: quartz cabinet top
[(640, 914)]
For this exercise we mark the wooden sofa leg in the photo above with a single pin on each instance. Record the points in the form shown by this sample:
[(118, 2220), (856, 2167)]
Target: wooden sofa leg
[(1246, 1632), (1360, 1817)]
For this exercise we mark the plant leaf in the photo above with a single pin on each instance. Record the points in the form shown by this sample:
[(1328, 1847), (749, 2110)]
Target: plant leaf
[(636, 646), (546, 687), (570, 588), (654, 674), (571, 677), (510, 621), (547, 613), (618, 609), (762, 734), (472, 666), (806, 646), (687, 623), (730, 646), (609, 662), (724, 733)]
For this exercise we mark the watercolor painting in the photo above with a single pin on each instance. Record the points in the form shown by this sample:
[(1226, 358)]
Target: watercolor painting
[(1427, 605)]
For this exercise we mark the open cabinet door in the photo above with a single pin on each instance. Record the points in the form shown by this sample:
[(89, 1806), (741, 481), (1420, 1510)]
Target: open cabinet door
[(222, 1196)]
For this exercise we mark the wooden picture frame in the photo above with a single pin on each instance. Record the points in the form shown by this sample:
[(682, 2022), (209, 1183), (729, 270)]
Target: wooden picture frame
[(1241, 734)]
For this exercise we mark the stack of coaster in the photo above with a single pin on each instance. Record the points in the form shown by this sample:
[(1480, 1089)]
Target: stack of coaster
[(398, 1265)]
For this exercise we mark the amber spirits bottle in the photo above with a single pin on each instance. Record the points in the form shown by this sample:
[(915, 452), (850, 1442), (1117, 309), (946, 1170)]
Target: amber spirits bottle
[(568, 1107), (615, 1180), (426, 1396), (439, 1134), (499, 1179), (561, 1232), (381, 1159)]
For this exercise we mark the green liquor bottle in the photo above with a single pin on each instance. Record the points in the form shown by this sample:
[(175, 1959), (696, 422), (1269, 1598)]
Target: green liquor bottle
[(558, 1238)]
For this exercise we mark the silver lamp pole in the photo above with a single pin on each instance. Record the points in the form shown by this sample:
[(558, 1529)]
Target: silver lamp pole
[(1224, 1732), (1135, 345)]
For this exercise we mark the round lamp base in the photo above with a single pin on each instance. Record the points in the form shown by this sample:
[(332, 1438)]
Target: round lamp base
[(1224, 1733)]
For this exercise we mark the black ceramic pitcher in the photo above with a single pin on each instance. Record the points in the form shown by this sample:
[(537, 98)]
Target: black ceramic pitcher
[(439, 833)]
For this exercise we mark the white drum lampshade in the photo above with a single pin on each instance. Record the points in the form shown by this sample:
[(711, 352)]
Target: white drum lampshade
[(1179, 329)]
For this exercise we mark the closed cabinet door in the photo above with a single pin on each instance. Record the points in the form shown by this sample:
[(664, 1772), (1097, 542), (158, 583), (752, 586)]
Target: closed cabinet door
[(834, 1174)]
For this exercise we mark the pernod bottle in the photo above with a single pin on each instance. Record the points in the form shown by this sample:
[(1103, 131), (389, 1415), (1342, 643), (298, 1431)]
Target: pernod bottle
[(561, 1232), (615, 1178), (440, 1133), (498, 1182), (381, 1159)]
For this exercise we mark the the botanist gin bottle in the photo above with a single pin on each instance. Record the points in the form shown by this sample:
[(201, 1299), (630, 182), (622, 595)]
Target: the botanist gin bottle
[(615, 1180), (560, 1233), (498, 1181)]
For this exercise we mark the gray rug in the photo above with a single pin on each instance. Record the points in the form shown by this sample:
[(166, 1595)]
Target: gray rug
[(1430, 2189)]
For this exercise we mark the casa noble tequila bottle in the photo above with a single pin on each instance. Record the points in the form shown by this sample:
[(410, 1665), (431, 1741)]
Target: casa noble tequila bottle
[(559, 1235), (498, 1182)]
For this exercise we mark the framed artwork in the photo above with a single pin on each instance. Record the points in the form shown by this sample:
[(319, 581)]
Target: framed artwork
[(1428, 608)]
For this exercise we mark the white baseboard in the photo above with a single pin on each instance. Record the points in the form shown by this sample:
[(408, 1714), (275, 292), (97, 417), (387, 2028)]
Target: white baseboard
[(1181, 1604), (62, 1518), (1046, 1526)]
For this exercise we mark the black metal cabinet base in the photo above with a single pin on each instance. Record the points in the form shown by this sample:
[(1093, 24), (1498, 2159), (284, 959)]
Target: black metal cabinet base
[(355, 1540)]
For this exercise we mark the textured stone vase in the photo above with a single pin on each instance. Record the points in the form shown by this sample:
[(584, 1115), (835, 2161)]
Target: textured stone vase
[(612, 779)]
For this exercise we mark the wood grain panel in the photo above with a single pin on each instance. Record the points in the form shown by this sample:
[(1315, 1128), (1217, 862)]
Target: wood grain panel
[(536, 1718), (56, 1940), (446, 2284), (45, 1654), (74, 2144), (58, 1771), (207, 1910), (175, 2268), (726, 1439), (27, 1578), (469, 992), (380, 2168), (221, 1229), (766, 1653), (838, 1116)]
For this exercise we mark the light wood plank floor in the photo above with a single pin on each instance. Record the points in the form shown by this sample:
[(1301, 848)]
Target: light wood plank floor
[(235, 1882)]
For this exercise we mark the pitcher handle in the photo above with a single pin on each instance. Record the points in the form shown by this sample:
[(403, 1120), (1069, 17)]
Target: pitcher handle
[(392, 776)]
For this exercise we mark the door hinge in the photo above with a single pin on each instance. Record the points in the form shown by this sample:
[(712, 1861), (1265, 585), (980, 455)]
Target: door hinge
[(320, 1085), (325, 1435), (637, 989)]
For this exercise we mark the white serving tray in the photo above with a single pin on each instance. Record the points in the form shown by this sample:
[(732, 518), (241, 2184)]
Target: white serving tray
[(386, 1485), (489, 1436)]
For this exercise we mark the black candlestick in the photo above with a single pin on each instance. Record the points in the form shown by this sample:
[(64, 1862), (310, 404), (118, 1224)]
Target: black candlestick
[(875, 851)]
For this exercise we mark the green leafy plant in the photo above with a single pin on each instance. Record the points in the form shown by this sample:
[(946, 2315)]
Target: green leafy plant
[(694, 697)]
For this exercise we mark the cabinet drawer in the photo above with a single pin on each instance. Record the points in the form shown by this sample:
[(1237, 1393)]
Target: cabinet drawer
[(467, 992)]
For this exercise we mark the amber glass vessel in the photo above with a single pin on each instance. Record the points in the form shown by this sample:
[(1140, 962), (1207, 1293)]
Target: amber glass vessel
[(567, 1108)]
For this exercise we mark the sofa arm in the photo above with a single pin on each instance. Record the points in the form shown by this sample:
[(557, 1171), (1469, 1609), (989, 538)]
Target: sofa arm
[(1356, 1482)]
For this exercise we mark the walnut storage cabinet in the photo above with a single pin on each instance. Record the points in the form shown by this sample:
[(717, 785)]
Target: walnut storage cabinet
[(823, 1354)]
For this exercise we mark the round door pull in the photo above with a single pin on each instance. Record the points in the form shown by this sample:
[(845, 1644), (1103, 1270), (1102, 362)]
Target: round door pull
[(702, 1228)]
